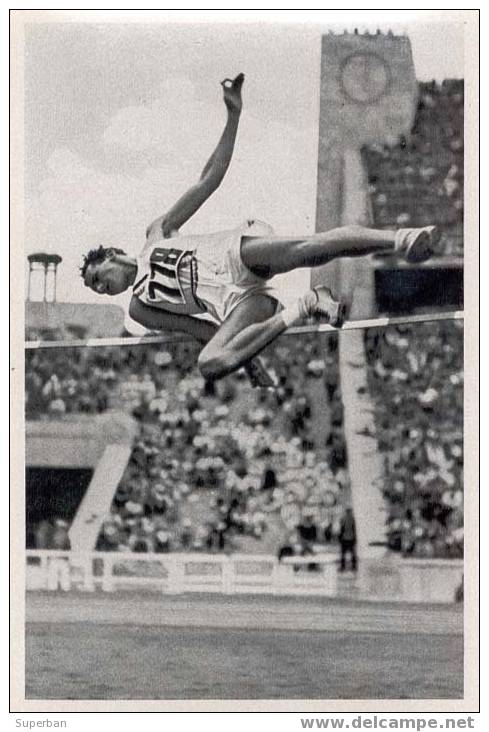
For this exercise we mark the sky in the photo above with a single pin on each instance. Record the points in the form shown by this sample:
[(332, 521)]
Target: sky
[(120, 119)]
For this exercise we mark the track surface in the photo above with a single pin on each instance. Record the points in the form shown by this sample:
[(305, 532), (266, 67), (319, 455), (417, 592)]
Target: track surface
[(202, 647)]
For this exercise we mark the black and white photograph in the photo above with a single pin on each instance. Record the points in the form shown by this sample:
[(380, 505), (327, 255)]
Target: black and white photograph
[(245, 452)]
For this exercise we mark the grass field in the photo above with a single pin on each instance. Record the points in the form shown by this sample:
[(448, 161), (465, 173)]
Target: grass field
[(98, 651)]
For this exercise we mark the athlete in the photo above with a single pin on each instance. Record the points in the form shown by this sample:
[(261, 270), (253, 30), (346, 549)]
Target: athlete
[(177, 279)]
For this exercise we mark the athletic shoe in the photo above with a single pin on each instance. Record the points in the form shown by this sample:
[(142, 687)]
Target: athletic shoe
[(417, 245), (320, 303), (259, 376)]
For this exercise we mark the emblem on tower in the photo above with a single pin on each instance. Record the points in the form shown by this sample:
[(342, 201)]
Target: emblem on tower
[(364, 77)]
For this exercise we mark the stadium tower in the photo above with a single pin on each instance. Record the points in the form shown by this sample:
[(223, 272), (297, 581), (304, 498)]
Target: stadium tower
[(368, 97), (45, 263)]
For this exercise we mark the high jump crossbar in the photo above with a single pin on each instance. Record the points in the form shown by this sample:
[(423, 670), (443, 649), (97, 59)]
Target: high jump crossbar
[(298, 330)]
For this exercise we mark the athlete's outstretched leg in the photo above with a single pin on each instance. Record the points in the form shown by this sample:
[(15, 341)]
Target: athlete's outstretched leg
[(268, 256), (254, 323)]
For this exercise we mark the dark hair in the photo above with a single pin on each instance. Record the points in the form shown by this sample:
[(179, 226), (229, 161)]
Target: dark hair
[(95, 256)]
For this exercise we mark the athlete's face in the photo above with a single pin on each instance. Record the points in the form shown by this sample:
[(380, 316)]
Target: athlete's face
[(107, 278)]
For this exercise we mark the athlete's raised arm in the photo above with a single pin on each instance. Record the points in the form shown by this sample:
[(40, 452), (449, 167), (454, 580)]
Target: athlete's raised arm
[(214, 170)]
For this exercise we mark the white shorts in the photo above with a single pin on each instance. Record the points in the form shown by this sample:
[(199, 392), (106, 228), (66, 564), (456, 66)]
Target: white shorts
[(223, 280)]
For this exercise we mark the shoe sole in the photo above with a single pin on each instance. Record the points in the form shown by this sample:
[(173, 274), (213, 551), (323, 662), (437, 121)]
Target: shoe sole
[(422, 247), (341, 314), (343, 311)]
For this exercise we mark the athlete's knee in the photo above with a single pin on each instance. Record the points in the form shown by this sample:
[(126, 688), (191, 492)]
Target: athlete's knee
[(214, 363)]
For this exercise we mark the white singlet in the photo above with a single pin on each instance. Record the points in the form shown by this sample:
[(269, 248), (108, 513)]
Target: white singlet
[(198, 274)]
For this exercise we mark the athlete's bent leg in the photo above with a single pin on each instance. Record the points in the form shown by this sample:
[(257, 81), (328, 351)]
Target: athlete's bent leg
[(255, 323), (249, 328), (268, 256)]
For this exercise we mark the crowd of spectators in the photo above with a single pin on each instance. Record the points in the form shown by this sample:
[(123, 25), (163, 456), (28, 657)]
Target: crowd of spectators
[(215, 463), (212, 462), (416, 380), (416, 372), (66, 381), (419, 180)]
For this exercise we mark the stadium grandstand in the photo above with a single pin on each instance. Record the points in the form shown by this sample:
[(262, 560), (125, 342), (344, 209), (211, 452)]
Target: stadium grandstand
[(222, 468)]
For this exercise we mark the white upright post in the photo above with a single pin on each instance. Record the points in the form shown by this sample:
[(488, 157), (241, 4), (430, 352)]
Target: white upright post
[(176, 569)]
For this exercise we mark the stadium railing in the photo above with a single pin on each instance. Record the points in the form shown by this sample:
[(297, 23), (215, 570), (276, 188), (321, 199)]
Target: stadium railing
[(408, 580)]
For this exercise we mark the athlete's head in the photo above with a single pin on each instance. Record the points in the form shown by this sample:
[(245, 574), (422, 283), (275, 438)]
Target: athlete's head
[(107, 271)]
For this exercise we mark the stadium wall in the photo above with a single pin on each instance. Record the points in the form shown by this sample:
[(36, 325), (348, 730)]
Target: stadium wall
[(386, 580), (90, 319)]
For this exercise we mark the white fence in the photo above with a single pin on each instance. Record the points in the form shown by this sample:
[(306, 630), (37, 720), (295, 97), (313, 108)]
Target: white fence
[(395, 580)]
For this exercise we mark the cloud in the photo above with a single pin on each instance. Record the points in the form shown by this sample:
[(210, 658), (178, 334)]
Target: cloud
[(81, 204), (164, 125), (134, 128)]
